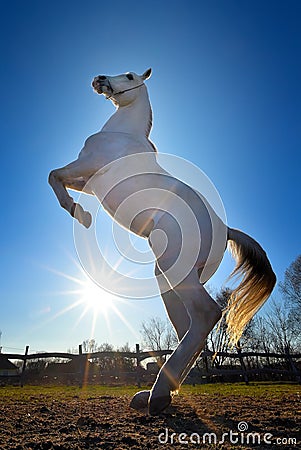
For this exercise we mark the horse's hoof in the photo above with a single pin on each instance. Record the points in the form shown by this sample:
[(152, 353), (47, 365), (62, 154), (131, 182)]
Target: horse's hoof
[(140, 401), (87, 219), (84, 217), (158, 404)]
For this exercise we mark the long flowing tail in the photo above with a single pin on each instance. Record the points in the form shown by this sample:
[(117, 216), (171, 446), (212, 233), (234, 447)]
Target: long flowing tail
[(258, 281)]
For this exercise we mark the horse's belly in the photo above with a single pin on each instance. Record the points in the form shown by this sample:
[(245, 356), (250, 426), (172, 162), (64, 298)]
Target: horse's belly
[(131, 215)]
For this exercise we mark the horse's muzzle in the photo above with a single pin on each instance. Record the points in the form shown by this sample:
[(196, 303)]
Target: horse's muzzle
[(101, 85), (97, 86)]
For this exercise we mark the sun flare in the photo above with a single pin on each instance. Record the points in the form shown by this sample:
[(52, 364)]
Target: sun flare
[(92, 301), (96, 298)]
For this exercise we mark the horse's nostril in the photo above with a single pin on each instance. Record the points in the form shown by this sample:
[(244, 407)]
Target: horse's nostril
[(102, 77)]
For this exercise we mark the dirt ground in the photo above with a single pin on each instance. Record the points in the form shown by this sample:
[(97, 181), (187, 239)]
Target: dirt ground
[(47, 422)]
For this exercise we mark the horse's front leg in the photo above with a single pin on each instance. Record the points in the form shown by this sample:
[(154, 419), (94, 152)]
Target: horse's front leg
[(74, 177)]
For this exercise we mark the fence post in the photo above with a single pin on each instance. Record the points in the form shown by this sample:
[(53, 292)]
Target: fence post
[(138, 379), (204, 356), (294, 369), (24, 365), (81, 365), (243, 366)]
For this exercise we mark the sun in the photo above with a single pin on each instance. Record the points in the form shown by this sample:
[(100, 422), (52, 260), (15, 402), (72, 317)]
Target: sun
[(96, 298), (92, 300)]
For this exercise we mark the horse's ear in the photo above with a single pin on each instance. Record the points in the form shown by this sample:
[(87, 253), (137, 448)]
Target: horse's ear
[(146, 74)]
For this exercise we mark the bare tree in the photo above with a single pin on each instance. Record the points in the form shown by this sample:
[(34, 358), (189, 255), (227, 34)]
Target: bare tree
[(106, 363), (124, 363), (218, 339), (262, 335), (90, 346), (158, 334), (284, 328), (291, 286)]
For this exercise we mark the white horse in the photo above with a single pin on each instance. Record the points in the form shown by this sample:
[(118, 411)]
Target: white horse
[(190, 308)]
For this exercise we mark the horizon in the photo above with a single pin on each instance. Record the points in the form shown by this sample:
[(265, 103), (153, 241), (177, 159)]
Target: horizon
[(225, 94)]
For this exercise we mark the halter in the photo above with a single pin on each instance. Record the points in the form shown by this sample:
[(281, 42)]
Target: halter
[(121, 92)]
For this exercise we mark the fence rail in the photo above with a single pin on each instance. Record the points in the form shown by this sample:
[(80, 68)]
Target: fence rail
[(243, 369)]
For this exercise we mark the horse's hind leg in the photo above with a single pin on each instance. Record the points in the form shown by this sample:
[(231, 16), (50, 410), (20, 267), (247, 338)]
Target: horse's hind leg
[(74, 176), (180, 319), (204, 314), (174, 306)]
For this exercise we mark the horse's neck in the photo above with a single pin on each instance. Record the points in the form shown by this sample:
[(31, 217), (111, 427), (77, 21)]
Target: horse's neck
[(135, 118)]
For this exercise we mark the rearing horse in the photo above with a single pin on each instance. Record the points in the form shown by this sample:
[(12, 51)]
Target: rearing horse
[(177, 221)]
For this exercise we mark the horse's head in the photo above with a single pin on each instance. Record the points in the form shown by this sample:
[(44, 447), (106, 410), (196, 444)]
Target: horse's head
[(121, 89)]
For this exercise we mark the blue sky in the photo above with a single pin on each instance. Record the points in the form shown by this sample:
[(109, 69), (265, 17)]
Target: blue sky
[(226, 96)]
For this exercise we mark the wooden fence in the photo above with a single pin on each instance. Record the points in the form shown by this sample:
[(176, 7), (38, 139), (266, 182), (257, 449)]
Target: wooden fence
[(248, 365), (206, 370)]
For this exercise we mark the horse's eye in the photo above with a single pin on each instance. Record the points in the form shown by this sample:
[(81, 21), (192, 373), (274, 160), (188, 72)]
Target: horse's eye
[(129, 76)]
